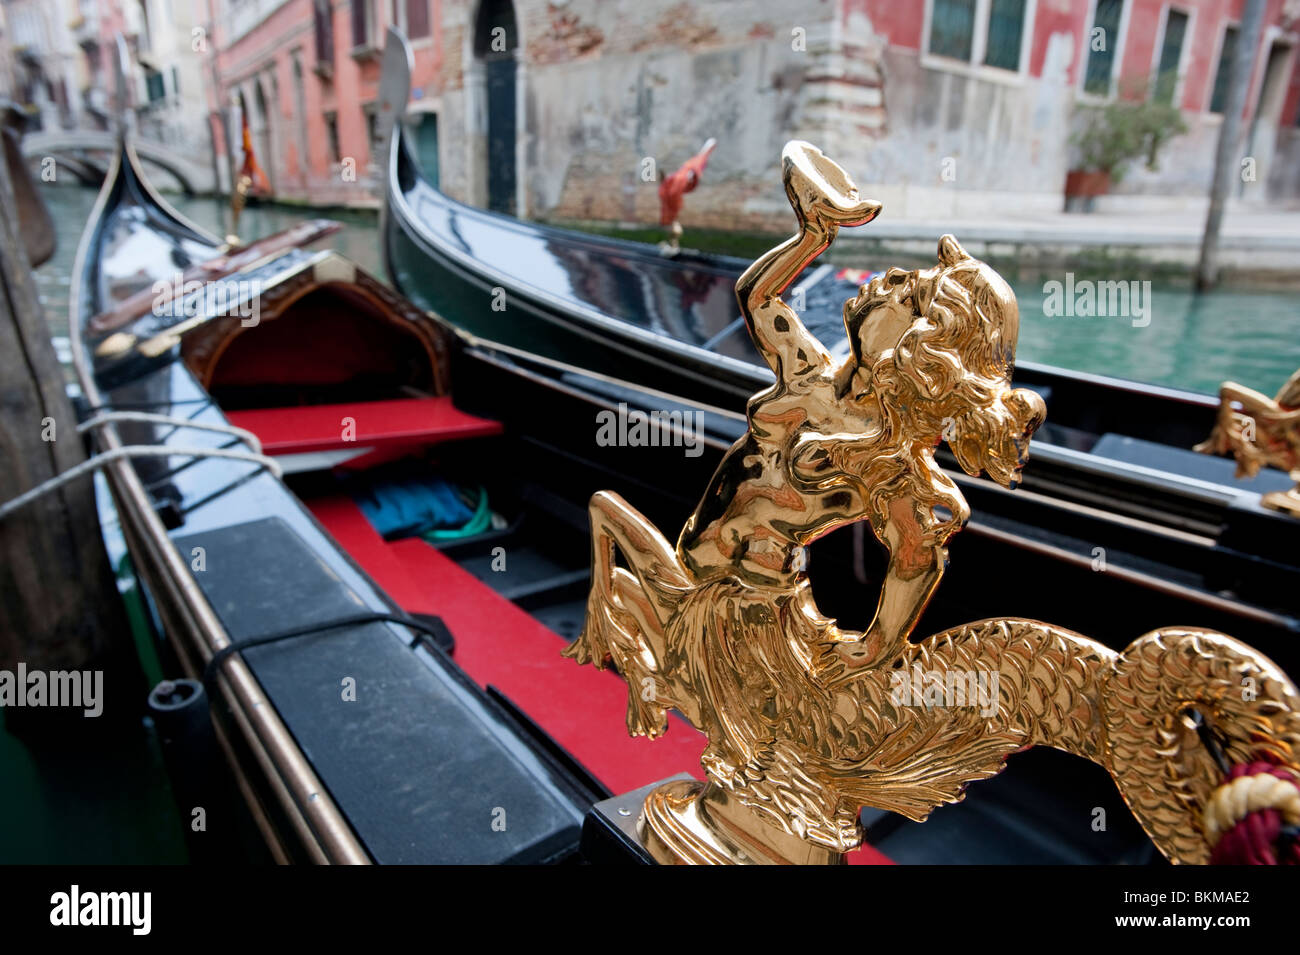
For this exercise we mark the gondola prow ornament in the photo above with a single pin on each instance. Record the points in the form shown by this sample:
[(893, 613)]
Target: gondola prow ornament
[(807, 722), (1264, 432)]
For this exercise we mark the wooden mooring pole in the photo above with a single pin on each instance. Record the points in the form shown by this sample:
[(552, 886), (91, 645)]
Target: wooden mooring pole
[(1227, 161), (59, 604)]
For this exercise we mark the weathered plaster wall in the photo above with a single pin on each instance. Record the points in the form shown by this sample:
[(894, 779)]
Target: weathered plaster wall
[(609, 84)]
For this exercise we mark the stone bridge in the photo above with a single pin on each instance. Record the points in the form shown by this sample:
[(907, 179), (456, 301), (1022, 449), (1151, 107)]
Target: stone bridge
[(86, 152)]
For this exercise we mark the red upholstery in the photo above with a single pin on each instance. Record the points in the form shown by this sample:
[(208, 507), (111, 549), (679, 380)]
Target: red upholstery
[(400, 422), (582, 708)]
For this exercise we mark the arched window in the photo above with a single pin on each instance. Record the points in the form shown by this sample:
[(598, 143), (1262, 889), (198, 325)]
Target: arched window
[(495, 39), (495, 33)]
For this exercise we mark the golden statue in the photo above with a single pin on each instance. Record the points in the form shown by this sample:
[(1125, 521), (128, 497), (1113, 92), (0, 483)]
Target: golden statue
[(1265, 432), (807, 722)]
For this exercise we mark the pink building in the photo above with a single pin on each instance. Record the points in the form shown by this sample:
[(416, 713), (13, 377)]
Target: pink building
[(307, 72)]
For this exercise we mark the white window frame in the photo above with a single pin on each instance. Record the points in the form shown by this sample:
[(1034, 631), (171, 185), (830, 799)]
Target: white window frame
[(1184, 54), (1116, 66), (976, 66)]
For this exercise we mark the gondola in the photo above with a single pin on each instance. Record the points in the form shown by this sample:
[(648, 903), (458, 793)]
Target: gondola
[(670, 322), (382, 695)]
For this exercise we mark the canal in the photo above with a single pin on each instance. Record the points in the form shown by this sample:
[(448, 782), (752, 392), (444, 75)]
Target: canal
[(1184, 340)]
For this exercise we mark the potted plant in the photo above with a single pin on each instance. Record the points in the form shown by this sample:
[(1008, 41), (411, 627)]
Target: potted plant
[(1113, 136)]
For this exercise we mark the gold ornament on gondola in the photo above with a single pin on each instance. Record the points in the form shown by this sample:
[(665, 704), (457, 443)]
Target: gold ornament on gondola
[(1264, 432), (807, 722)]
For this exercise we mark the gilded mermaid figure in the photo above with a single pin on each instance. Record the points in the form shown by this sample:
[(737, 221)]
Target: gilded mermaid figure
[(826, 446), (801, 723)]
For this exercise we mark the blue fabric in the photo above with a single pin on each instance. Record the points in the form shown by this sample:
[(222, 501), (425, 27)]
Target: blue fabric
[(411, 506)]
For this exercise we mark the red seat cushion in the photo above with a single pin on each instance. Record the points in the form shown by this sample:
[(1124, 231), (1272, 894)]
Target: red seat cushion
[(363, 424)]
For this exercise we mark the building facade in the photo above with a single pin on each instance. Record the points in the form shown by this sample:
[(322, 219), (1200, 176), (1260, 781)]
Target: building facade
[(306, 74), (166, 46), (938, 107), (46, 70), (570, 109), (57, 61)]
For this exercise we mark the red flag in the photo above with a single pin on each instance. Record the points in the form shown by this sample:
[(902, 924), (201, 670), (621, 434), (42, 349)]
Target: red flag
[(256, 177)]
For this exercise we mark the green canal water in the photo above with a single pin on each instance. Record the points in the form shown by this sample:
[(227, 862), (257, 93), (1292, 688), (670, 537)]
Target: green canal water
[(1191, 341)]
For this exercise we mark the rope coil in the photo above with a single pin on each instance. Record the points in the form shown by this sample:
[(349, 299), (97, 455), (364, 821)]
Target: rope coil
[(1252, 818)]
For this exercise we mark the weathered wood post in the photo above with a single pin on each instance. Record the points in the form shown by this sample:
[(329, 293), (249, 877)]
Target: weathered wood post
[(59, 603), (1226, 161)]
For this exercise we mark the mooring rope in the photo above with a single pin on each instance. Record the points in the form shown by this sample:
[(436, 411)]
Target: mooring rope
[(132, 451), (150, 418)]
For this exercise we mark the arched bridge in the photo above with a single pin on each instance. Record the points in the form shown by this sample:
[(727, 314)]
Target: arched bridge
[(77, 149)]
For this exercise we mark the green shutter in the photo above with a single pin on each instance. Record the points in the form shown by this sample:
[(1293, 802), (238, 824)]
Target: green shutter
[(952, 27), (1101, 63), (1225, 69), (1006, 28), (426, 146), (1171, 52)]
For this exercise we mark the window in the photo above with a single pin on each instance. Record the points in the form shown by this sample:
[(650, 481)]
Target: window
[(1102, 47), (361, 20), (952, 28), (143, 41), (412, 17), (426, 145), (495, 32), (1226, 55), (371, 117), (987, 32), (1006, 29), (1171, 57), (332, 133), (324, 33), (154, 84)]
